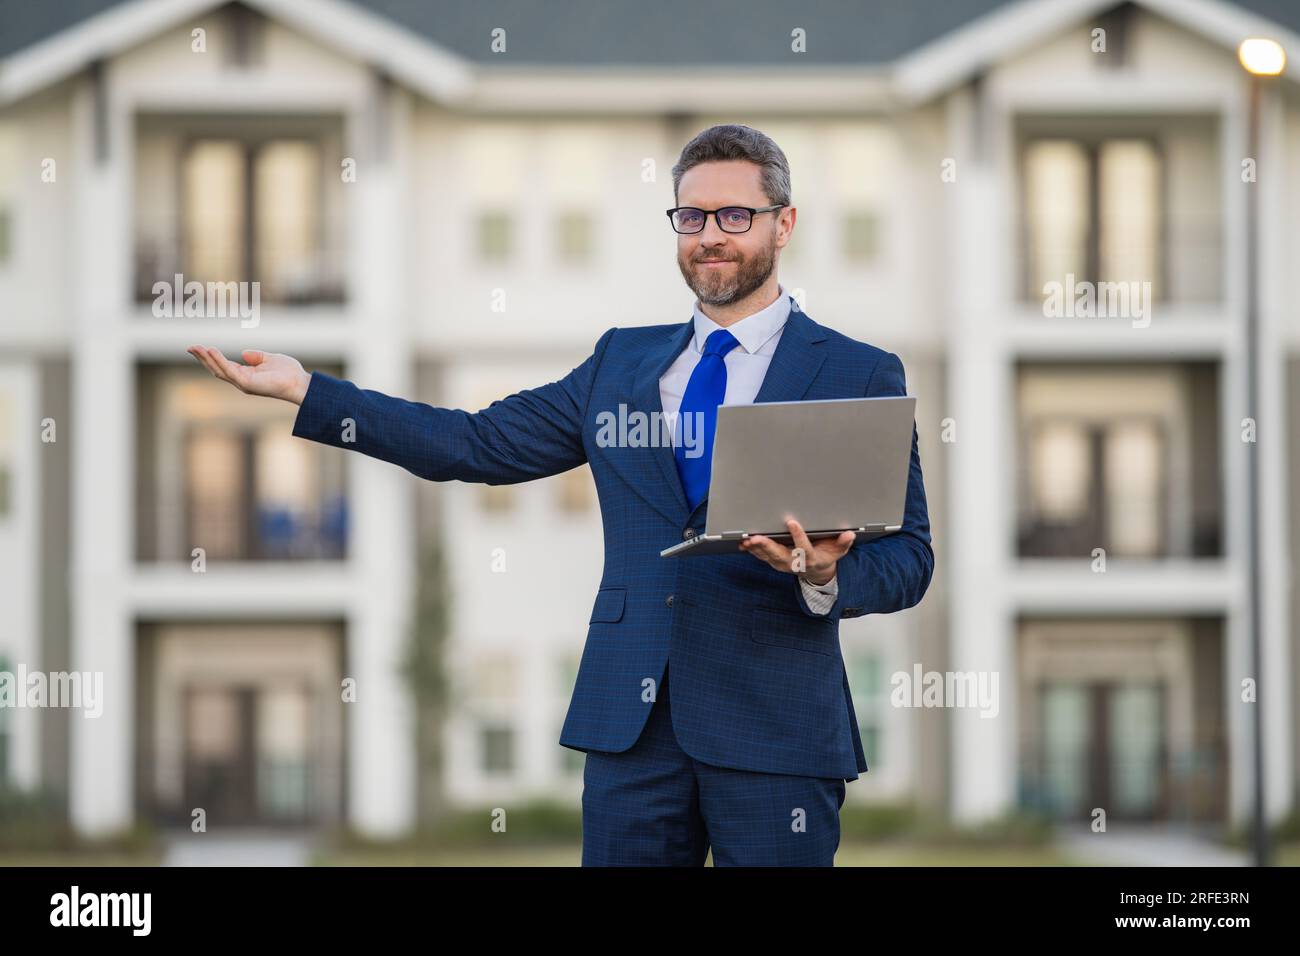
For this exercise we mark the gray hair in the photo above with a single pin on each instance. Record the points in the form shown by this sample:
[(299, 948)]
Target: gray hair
[(733, 141)]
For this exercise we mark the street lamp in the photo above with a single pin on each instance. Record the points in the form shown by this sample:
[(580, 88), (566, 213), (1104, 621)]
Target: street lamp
[(1261, 58)]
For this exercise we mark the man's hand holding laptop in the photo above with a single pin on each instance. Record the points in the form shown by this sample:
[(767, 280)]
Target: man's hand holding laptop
[(820, 557)]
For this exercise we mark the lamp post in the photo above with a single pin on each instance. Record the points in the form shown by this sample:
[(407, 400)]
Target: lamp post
[(1262, 58)]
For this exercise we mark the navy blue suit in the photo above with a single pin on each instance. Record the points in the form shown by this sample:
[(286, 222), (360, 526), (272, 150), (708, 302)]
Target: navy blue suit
[(758, 680)]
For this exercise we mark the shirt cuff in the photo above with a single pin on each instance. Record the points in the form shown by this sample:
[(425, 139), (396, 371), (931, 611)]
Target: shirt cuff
[(820, 597)]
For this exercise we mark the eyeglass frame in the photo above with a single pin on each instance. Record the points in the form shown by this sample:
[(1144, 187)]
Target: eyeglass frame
[(716, 213)]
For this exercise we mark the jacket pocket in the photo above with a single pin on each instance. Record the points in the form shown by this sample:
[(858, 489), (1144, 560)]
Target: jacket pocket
[(609, 604), (801, 632)]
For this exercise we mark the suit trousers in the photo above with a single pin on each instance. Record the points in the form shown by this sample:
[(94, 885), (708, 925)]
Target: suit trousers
[(655, 805)]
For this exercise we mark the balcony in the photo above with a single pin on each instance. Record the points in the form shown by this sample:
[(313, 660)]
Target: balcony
[(221, 472), (1113, 206), (240, 200), (1122, 457)]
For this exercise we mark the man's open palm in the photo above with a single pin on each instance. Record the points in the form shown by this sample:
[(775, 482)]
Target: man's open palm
[(266, 373)]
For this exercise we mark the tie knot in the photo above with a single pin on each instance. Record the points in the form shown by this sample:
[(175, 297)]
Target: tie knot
[(719, 342)]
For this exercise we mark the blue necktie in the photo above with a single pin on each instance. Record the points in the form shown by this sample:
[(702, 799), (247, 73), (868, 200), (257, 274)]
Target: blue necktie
[(704, 393)]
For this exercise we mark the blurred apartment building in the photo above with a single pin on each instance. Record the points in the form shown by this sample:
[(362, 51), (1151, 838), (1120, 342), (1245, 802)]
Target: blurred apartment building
[(436, 220)]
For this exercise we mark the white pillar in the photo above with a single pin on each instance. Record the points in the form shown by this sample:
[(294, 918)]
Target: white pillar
[(103, 435), (1272, 448), (381, 733), (20, 641), (984, 759)]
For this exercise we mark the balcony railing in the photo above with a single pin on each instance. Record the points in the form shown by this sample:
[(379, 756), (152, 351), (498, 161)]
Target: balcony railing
[(314, 277)]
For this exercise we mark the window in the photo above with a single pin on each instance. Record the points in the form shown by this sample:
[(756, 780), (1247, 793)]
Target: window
[(1092, 210), (494, 236), (248, 199), (574, 238), (229, 477), (575, 489), (1119, 457), (251, 494), (1095, 485), (861, 239), (283, 747), (286, 182), (276, 185), (214, 208), (496, 499), (1103, 745), (869, 700), (497, 742)]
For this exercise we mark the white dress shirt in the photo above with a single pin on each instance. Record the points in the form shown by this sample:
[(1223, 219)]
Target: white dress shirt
[(746, 364)]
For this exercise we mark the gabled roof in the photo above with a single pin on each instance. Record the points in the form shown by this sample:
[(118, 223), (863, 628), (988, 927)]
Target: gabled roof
[(569, 32), (437, 46)]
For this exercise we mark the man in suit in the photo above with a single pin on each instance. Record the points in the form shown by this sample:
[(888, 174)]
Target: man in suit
[(751, 756)]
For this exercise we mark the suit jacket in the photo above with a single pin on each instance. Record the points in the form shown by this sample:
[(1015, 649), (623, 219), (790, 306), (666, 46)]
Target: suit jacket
[(758, 679)]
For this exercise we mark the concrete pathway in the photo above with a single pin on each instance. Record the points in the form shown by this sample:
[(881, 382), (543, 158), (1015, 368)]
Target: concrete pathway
[(237, 848), (1148, 845)]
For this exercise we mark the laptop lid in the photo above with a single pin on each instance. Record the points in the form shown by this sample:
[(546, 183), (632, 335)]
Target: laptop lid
[(831, 464)]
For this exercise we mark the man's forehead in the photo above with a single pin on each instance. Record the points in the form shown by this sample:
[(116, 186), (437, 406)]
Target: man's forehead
[(732, 181)]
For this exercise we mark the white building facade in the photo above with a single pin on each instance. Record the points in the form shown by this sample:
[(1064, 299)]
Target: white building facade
[(431, 226)]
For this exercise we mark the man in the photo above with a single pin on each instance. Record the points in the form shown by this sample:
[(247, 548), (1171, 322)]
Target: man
[(752, 754)]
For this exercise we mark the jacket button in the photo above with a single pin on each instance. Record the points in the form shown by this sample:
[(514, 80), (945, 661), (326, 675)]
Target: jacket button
[(669, 600), (688, 534)]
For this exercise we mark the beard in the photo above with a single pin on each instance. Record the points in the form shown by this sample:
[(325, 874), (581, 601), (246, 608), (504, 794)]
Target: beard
[(728, 284)]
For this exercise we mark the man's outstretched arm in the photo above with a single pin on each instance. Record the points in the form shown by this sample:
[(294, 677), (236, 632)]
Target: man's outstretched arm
[(530, 434)]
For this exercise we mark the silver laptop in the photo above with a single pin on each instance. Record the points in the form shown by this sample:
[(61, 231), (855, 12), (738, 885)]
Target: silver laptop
[(835, 465)]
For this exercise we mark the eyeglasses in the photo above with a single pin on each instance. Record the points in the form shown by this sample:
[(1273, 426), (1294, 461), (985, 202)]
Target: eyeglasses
[(688, 220)]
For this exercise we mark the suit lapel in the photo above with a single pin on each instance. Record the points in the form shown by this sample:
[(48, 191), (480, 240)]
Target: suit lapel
[(797, 358), (645, 397)]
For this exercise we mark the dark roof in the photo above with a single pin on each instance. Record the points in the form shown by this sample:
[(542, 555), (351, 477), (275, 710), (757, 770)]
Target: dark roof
[(576, 32), (638, 32), (23, 23), (684, 32)]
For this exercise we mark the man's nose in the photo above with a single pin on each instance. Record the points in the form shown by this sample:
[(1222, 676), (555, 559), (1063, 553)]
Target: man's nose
[(712, 236)]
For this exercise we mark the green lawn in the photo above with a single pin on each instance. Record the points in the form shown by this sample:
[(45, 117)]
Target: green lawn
[(850, 854), (64, 858)]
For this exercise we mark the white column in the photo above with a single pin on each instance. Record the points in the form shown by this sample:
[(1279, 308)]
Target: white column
[(1272, 449), (103, 433), (381, 741), (20, 641), (983, 769)]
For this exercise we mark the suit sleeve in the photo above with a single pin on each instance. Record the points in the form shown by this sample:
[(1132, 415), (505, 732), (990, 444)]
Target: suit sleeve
[(892, 572), (530, 434)]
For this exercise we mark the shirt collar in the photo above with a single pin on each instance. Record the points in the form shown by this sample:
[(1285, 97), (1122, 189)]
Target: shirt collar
[(753, 331)]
